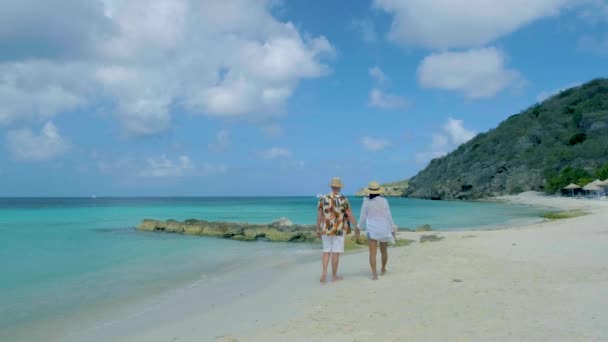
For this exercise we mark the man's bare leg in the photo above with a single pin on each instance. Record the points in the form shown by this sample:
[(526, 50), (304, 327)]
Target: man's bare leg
[(384, 253), (325, 264), (335, 259), (373, 247)]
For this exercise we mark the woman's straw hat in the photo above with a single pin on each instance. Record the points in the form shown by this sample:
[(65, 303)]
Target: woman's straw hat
[(374, 188), (336, 182)]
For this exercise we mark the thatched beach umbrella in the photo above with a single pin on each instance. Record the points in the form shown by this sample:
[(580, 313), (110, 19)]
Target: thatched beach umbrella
[(604, 186), (596, 185), (596, 182), (592, 187), (572, 187)]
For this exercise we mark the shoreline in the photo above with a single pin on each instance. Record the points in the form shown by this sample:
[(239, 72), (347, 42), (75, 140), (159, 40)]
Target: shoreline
[(117, 320), (186, 313), (469, 285)]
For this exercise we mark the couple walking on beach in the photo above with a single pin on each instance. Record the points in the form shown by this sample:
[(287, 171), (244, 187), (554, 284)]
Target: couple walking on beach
[(334, 216)]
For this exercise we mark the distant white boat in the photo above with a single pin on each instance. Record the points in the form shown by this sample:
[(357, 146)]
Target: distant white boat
[(320, 195), (93, 196)]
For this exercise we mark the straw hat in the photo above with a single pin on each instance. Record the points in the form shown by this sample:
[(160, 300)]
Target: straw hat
[(336, 182), (374, 188)]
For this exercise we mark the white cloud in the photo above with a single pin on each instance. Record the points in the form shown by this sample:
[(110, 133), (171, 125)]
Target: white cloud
[(24, 145), (477, 73), (378, 75), (380, 99), (547, 94), (160, 167), (456, 131), (26, 91), (375, 144), (453, 135), (33, 30), (366, 28), (146, 57), (163, 167), (222, 142), (442, 24), (276, 152), (157, 167)]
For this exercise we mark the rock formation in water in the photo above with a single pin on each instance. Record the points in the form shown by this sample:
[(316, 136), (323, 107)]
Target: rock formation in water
[(280, 230)]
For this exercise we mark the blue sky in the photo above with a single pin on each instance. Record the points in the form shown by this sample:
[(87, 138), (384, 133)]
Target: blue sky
[(239, 97)]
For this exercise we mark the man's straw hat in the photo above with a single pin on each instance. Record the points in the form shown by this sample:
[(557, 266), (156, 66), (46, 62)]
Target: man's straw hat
[(336, 182), (374, 188)]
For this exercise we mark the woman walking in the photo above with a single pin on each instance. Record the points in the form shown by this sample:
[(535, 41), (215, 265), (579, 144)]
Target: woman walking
[(377, 220)]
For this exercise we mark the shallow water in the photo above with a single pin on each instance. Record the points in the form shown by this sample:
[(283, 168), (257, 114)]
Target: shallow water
[(62, 256)]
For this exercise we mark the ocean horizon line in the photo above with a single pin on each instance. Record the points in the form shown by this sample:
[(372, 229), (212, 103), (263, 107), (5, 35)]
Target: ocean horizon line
[(160, 196)]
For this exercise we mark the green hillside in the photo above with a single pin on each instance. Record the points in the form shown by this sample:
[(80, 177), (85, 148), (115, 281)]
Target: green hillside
[(562, 140)]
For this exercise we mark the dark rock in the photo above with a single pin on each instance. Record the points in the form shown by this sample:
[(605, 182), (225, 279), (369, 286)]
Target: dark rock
[(280, 230), (430, 238), (424, 228)]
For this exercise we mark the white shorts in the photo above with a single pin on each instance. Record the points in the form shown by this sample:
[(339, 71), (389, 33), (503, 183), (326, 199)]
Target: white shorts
[(333, 244)]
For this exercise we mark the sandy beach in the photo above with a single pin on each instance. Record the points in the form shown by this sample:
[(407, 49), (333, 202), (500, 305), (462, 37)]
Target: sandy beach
[(542, 282)]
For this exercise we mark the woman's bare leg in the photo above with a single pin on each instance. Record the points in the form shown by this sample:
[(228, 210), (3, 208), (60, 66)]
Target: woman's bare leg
[(384, 253), (373, 247)]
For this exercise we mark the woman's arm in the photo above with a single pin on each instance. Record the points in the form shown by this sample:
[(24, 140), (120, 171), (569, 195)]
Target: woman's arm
[(363, 216), (389, 217)]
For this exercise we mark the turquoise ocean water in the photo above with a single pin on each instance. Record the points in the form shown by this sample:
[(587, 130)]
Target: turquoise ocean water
[(63, 256)]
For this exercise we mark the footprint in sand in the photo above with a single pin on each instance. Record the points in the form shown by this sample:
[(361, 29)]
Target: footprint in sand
[(377, 314)]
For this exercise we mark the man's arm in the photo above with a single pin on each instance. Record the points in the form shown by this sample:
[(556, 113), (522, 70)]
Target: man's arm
[(352, 220), (319, 220)]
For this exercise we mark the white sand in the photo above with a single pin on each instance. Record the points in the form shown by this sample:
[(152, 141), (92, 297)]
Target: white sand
[(544, 282), (564, 203)]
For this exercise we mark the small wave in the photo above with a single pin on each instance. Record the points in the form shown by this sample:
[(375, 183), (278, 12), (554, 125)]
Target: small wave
[(122, 230)]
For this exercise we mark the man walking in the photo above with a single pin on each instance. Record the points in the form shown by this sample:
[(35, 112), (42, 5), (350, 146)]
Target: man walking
[(332, 212)]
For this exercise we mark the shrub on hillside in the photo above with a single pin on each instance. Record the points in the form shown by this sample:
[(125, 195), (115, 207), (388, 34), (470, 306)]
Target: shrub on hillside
[(578, 138), (603, 172), (568, 175)]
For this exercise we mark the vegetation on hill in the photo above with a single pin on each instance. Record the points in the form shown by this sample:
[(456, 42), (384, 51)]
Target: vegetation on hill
[(577, 176), (564, 138)]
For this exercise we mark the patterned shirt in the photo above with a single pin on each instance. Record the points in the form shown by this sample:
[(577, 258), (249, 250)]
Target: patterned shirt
[(334, 209)]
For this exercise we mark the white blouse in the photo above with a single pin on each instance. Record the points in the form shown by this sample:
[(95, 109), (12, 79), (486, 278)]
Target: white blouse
[(376, 218)]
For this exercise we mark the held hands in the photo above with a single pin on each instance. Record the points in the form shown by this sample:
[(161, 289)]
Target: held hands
[(357, 232), (319, 232)]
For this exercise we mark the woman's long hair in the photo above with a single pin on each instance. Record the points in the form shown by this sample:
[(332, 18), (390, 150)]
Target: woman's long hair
[(372, 196)]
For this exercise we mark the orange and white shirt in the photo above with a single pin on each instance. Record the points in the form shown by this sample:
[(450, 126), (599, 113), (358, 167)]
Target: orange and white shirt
[(334, 208)]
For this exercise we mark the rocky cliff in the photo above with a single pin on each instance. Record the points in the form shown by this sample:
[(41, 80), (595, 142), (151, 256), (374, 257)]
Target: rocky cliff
[(568, 130), (397, 189)]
